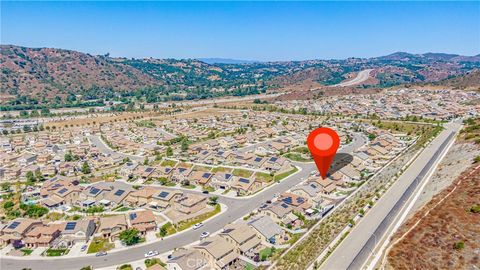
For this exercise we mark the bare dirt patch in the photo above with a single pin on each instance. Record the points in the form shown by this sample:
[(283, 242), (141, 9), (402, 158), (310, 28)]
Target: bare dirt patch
[(445, 234)]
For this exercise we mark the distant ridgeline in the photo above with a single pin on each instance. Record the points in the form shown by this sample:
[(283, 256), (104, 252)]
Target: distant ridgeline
[(42, 78)]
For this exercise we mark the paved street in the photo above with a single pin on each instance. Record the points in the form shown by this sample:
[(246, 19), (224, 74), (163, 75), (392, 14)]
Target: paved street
[(357, 246)]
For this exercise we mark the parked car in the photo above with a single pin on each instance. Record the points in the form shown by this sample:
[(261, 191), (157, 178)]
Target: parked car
[(101, 253), (268, 201), (204, 235), (151, 253), (205, 192), (198, 225), (84, 247)]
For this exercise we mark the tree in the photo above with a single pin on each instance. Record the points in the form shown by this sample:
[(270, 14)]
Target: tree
[(8, 205), (213, 200), (6, 186), (30, 177), (68, 156), (169, 151), (145, 161), (130, 237), (184, 146), (85, 168)]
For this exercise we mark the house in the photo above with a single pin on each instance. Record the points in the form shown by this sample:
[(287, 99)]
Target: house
[(244, 185), (221, 180), (186, 259), (190, 203), (17, 229), (76, 231), (41, 236), (143, 221), (163, 199), (143, 171), (219, 253), (111, 227), (278, 211), (200, 177), (141, 197), (243, 237), (180, 174), (270, 231), (117, 195)]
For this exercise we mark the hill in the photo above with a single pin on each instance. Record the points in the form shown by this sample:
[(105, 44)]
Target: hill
[(469, 81), (40, 77)]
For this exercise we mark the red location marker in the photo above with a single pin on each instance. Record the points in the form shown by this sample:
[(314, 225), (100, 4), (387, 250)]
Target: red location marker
[(323, 144)]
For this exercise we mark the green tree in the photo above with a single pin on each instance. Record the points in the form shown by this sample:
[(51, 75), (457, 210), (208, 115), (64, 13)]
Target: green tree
[(68, 156), (30, 177), (184, 146), (130, 237), (86, 168), (213, 200), (169, 151)]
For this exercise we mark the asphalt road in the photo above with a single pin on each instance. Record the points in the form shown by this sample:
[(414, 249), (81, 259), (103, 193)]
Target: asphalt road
[(361, 77), (358, 245), (237, 208)]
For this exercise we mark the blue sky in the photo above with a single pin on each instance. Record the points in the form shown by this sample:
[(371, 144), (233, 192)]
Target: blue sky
[(244, 30)]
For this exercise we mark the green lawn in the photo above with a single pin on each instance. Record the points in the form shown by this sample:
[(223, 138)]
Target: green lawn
[(264, 177), (56, 252), (100, 244), (168, 163), (170, 229), (242, 173), (208, 188), (123, 209), (281, 176), (189, 186), (221, 169), (26, 251), (296, 157), (190, 222), (266, 253)]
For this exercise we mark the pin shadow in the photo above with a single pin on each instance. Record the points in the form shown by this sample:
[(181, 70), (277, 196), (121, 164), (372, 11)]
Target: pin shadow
[(341, 160)]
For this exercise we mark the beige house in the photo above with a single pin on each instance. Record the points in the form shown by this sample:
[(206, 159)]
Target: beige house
[(244, 238), (111, 227), (219, 252), (190, 203)]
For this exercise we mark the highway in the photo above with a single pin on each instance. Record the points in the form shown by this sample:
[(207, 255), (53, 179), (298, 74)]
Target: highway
[(237, 208), (361, 77), (356, 248)]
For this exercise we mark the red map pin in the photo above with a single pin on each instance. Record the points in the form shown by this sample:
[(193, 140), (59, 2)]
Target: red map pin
[(323, 144)]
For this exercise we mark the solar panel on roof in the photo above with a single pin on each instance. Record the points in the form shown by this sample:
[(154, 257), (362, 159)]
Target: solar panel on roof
[(70, 225), (167, 170), (300, 200), (243, 180), (258, 159), (228, 230), (288, 200), (206, 243), (284, 205), (133, 216), (206, 175), (227, 175), (119, 192), (273, 159), (94, 190), (13, 225), (63, 190), (182, 169), (163, 194), (148, 169), (204, 152)]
